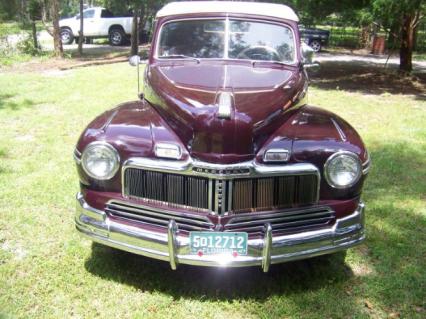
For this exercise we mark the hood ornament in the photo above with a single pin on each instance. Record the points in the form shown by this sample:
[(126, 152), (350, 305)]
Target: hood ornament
[(225, 105)]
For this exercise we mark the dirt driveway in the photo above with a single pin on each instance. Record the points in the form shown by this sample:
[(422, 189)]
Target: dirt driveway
[(368, 74)]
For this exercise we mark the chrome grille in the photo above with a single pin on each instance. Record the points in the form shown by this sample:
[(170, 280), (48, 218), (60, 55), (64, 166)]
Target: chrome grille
[(290, 221), (157, 217), (221, 195), (165, 187), (279, 191)]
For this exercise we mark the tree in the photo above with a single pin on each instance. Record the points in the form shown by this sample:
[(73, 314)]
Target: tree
[(402, 16), (135, 34), (57, 43), (80, 32), (55, 32), (8, 9), (34, 14)]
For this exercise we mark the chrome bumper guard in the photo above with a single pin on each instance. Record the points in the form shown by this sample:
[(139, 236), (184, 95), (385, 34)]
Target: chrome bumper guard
[(170, 246)]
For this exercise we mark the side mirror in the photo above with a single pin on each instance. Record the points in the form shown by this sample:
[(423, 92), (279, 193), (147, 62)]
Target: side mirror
[(135, 60), (308, 57)]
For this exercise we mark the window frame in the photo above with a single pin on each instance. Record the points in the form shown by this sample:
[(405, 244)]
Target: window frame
[(227, 34)]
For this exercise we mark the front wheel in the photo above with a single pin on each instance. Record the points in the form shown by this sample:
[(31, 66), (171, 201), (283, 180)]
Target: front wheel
[(315, 45), (66, 36), (116, 36)]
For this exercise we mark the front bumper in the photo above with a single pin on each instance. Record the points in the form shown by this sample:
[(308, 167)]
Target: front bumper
[(97, 226)]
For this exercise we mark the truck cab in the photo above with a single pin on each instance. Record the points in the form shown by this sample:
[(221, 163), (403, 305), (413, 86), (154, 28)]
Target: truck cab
[(98, 22)]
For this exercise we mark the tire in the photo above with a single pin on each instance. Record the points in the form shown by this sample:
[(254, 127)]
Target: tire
[(116, 36), (315, 45), (66, 36)]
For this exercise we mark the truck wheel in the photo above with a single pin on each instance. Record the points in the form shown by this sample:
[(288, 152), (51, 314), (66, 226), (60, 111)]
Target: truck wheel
[(116, 36), (315, 45), (66, 36)]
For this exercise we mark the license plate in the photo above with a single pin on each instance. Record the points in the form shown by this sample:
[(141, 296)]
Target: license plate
[(218, 243)]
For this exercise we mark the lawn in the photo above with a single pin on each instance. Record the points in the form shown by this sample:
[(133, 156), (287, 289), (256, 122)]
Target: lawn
[(48, 271)]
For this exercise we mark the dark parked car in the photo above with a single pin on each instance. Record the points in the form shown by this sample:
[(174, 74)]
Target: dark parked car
[(222, 162), (315, 38)]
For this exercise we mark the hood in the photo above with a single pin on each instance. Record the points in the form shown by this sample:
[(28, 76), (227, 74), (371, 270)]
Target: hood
[(186, 93)]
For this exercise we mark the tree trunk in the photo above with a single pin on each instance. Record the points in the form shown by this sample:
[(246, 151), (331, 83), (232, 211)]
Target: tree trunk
[(365, 36), (80, 32), (57, 43), (415, 37), (24, 12), (34, 32), (407, 43), (135, 37)]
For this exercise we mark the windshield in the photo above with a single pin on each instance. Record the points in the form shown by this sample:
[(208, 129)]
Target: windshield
[(233, 39)]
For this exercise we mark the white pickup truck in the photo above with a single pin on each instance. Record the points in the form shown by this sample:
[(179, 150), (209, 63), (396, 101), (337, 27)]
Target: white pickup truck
[(98, 23)]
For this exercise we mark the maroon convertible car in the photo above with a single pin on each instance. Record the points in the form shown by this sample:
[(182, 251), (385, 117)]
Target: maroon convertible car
[(221, 162)]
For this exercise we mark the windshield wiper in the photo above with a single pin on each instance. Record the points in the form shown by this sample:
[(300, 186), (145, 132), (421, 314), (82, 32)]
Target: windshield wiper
[(253, 62), (180, 56)]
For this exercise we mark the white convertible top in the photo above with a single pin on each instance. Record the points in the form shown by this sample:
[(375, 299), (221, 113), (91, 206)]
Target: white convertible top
[(258, 8)]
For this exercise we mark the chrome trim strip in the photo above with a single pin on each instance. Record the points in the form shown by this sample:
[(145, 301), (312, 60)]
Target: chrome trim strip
[(210, 195), (281, 217), (200, 220), (171, 240), (366, 166), (267, 247), (77, 156), (188, 167), (344, 233), (249, 217), (230, 190), (339, 130)]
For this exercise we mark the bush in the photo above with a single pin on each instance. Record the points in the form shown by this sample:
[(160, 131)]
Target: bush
[(26, 45)]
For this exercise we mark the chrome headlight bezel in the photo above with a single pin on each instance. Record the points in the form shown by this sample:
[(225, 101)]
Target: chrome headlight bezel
[(115, 157), (333, 158)]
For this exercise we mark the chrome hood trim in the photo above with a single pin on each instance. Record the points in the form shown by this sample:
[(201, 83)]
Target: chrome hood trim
[(221, 171)]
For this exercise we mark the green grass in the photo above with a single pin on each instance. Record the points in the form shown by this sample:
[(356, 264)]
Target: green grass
[(48, 271)]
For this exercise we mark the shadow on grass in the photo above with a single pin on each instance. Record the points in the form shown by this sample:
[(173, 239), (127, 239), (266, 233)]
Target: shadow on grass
[(201, 283), (389, 272), (7, 103), (395, 195), (367, 77)]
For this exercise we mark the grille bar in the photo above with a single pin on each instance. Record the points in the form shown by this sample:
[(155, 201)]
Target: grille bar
[(160, 218), (289, 221)]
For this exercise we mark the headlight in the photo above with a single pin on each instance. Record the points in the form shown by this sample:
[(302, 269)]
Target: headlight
[(100, 160), (342, 169)]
